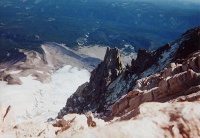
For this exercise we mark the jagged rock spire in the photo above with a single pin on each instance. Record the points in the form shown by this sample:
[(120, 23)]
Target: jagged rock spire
[(92, 95), (109, 82)]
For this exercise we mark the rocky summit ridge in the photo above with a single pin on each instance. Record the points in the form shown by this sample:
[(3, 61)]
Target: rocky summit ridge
[(177, 81), (89, 95), (159, 93), (153, 75)]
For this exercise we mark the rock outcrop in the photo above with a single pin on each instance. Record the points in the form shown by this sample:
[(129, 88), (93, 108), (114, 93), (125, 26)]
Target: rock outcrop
[(163, 97), (92, 95), (73, 123), (26, 63), (10, 57), (41, 65), (146, 59), (175, 80), (102, 91)]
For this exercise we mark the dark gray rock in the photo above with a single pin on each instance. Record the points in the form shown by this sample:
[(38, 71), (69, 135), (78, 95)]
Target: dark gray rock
[(93, 95)]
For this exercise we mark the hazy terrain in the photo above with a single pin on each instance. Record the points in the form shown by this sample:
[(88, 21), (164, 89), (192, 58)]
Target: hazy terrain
[(141, 24)]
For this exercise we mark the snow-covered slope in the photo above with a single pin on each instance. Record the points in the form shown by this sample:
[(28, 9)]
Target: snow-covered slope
[(163, 120), (34, 100), (34, 88)]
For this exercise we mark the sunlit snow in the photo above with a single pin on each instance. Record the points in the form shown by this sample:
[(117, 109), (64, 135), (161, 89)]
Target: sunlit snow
[(34, 100)]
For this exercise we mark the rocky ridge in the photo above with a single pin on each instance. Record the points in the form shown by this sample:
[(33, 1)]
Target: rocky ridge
[(96, 97), (165, 101), (93, 92), (22, 63), (31, 63), (174, 81)]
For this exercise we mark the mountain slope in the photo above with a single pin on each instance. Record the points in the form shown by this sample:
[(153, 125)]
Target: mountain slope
[(163, 104), (99, 97), (34, 86), (158, 93)]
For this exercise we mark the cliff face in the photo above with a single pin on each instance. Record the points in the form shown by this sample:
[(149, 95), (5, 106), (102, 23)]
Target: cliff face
[(159, 93), (92, 95), (109, 81), (177, 81)]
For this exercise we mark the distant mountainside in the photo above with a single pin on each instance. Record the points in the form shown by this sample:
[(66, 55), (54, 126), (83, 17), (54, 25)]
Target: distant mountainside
[(51, 58), (111, 79), (141, 24)]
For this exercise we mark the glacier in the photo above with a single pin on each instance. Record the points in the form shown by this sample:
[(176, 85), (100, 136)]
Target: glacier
[(38, 101)]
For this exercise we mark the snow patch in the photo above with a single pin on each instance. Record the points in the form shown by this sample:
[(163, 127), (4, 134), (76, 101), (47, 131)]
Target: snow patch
[(95, 51), (15, 72), (2, 69), (39, 71)]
